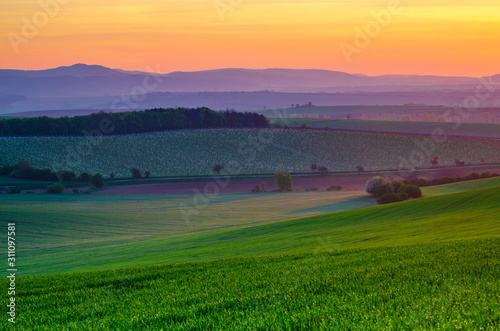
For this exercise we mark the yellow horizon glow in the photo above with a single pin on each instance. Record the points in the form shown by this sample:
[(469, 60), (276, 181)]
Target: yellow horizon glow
[(456, 38)]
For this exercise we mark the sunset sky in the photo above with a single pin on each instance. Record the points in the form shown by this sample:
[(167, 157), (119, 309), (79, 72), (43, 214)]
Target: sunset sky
[(447, 37)]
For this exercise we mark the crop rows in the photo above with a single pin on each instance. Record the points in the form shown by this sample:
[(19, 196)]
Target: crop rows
[(248, 151), (438, 286)]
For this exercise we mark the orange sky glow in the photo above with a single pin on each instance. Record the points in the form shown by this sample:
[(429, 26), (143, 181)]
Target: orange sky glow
[(447, 37)]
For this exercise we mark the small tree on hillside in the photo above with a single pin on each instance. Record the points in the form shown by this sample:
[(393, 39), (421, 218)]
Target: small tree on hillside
[(314, 167), (147, 174), (217, 168), (360, 169), (283, 181), (323, 170)]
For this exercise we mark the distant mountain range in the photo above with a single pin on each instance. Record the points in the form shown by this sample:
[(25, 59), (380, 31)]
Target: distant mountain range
[(96, 87)]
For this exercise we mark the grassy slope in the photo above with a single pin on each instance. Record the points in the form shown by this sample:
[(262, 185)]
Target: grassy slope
[(474, 214), (461, 187), (465, 129), (50, 222), (433, 286)]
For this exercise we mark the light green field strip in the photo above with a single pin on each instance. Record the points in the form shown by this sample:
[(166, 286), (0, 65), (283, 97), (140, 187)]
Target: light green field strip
[(461, 187), (51, 222), (466, 215)]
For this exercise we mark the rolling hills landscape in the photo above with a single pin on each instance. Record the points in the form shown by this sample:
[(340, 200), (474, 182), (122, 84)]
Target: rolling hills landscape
[(318, 251), (250, 165)]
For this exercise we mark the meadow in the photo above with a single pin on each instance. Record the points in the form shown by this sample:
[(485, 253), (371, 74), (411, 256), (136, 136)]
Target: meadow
[(115, 232), (89, 262), (438, 286), (240, 151)]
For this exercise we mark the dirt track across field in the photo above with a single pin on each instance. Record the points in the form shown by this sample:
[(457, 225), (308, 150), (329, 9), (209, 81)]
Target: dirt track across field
[(237, 186), (348, 183)]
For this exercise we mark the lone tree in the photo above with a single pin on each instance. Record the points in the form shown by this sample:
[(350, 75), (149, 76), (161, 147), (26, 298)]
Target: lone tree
[(85, 177), (283, 181), (435, 162), (323, 170), (314, 167), (360, 169), (97, 181), (136, 173), (147, 174), (217, 168)]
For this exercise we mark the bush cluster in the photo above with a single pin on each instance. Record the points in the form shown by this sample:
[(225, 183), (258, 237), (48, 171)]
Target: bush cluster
[(394, 191), (56, 188)]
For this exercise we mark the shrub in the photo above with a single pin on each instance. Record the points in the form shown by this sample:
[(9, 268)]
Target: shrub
[(314, 189), (338, 188), (473, 176), (381, 190), (396, 185), (6, 170), (374, 182), (147, 174), (422, 182), (323, 170), (403, 196), (97, 181), (76, 191), (136, 173), (283, 181), (56, 188), (389, 198), (412, 191), (486, 174), (85, 177), (13, 190), (257, 189), (68, 176)]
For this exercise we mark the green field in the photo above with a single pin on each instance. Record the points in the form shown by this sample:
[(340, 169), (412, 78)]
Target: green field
[(62, 237), (438, 286), (65, 224), (465, 129), (430, 263), (241, 151)]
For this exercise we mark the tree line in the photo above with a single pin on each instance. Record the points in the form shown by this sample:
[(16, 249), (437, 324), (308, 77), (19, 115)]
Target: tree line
[(153, 120)]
